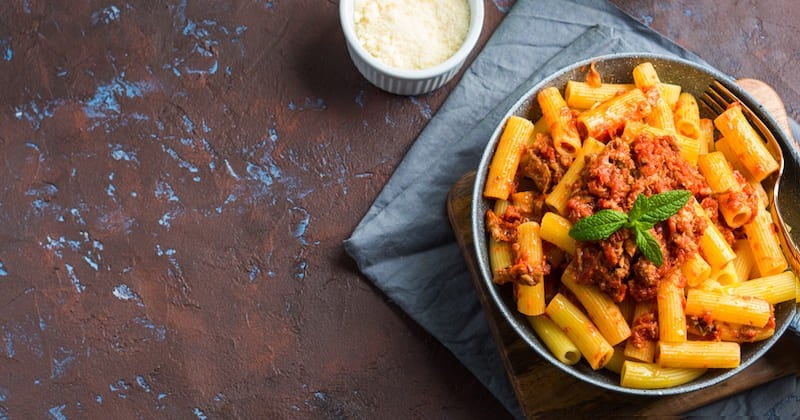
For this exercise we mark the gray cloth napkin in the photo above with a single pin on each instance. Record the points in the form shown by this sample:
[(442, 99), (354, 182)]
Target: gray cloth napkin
[(405, 244)]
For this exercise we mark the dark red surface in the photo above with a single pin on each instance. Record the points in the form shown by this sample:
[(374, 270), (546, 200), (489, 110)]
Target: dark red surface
[(177, 178)]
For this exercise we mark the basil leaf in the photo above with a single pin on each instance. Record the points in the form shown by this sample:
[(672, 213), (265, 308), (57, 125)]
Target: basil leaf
[(661, 206), (649, 246), (598, 226)]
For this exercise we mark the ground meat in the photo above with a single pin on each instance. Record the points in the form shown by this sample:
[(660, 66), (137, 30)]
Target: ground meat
[(606, 263), (661, 168), (644, 283), (681, 233), (703, 327), (644, 329), (502, 229), (543, 164), (612, 180)]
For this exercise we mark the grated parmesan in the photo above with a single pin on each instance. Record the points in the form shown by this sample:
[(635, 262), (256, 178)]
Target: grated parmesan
[(411, 34)]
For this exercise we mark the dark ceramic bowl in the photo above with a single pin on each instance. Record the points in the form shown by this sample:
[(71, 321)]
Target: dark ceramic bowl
[(616, 68)]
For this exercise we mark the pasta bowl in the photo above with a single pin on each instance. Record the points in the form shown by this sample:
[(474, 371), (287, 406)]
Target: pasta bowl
[(692, 78)]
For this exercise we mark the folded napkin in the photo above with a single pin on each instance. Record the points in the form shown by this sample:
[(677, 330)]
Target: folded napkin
[(405, 244)]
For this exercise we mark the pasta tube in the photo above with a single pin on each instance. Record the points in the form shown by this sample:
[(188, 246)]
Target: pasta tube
[(696, 270), (582, 95), (530, 298), (720, 177), (503, 167), (728, 308), (651, 376), (746, 142), (560, 121), (744, 261), (671, 316), (687, 117), (725, 275), (603, 311), (765, 244), (555, 229), (617, 359), (716, 250), (698, 354), (706, 135), (555, 339), (774, 289), (580, 330), (609, 117), (739, 333), (557, 199)]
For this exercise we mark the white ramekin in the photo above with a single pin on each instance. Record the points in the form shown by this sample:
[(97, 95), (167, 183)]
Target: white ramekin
[(408, 82)]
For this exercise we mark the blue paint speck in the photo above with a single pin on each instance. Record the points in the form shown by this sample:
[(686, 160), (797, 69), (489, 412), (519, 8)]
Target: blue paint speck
[(59, 367), (118, 153), (302, 224), (199, 414), (301, 270), (360, 98), (104, 104), (142, 383), (164, 191), (3, 272), (5, 50), (424, 108), (56, 412), (161, 252), (125, 293), (106, 16), (99, 399), (647, 20), (254, 272), (188, 124), (159, 331), (92, 263), (166, 219), (10, 353), (74, 279)]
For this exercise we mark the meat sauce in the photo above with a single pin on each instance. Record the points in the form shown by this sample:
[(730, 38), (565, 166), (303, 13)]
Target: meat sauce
[(612, 179)]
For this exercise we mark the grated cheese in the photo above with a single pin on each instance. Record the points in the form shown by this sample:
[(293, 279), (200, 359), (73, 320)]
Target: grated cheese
[(411, 34)]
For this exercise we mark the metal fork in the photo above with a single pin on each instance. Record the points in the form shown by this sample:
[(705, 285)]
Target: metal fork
[(717, 98)]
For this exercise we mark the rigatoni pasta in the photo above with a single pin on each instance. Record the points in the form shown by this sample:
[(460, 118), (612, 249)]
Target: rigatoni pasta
[(589, 230)]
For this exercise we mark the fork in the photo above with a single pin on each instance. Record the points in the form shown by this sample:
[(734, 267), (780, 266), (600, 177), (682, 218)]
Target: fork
[(717, 98)]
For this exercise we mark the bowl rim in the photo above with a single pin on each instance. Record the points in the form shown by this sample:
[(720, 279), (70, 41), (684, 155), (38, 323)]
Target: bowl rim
[(473, 35), (478, 226)]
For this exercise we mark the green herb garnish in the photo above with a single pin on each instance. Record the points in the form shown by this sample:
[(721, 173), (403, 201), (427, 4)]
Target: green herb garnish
[(645, 213)]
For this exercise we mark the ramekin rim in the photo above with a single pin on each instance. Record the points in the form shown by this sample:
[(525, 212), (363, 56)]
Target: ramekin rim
[(466, 48)]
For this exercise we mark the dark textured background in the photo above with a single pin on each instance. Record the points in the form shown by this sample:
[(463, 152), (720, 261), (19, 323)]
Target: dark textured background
[(176, 181)]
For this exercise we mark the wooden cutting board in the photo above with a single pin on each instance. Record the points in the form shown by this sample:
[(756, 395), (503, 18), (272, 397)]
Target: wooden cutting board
[(544, 390)]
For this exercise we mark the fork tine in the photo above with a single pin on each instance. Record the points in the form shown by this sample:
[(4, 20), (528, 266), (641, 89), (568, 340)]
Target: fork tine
[(717, 97)]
